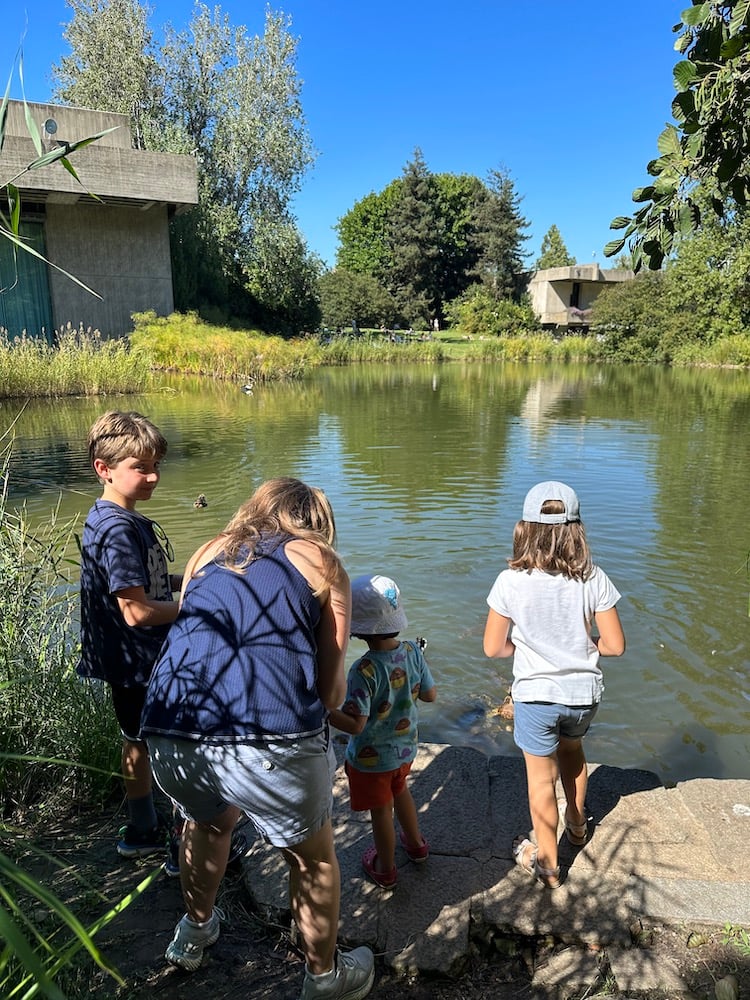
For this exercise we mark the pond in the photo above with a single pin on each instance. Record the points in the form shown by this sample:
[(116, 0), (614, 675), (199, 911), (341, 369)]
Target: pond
[(427, 467)]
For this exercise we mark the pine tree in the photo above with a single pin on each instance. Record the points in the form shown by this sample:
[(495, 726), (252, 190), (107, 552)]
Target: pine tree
[(554, 252)]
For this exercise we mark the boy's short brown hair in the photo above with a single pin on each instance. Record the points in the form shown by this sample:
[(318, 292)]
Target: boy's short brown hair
[(116, 436)]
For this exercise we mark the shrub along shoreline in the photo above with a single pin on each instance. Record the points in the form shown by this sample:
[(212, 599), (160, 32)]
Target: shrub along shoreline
[(84, 363)]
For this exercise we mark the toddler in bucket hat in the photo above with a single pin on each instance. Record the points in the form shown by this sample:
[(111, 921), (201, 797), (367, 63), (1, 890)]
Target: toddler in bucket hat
[(380, 716), (376, 606)]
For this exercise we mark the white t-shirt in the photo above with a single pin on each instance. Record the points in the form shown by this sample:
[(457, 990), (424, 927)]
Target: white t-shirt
[(555, 659)]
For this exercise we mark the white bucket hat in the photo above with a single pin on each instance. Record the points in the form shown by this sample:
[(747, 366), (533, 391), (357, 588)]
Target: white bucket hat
[(376, 606)]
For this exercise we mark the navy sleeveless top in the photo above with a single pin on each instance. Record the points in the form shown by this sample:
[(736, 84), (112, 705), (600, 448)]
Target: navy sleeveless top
[(240, 661)]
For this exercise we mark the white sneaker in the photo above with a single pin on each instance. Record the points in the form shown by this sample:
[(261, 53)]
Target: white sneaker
[(190, 941), (351, 979)]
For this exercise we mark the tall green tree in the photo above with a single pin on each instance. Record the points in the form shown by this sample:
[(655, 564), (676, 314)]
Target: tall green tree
[(346, 297), (499, 238), (705, 153), (364, 246), (112, 65), (283, 277), (232, 100), (415, 234), (554, 253), (427, 237)]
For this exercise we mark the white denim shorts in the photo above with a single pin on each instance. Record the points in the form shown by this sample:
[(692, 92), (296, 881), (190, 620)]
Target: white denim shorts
[(283, 785)]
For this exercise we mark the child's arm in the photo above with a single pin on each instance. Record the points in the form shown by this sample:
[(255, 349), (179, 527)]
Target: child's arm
[(611, 640), (139, 610), (429, 694), (352, 724), (497, 641)]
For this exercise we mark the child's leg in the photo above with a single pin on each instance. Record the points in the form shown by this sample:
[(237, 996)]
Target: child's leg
[(136, 766), (384, 836), (574, 777), (136, 769), (541, 775), (406, 814)]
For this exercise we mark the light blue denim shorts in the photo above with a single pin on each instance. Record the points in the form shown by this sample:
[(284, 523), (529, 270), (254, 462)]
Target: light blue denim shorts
[(283, 785), (538, 726)]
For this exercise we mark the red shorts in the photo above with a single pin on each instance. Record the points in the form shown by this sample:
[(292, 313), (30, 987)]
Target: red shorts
[(373, 789)]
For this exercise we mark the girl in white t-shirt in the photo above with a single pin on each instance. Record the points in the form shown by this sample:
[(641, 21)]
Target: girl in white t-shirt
[(542, 610)]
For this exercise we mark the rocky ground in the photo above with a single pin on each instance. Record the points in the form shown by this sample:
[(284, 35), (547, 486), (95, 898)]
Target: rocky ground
[(254, 959)]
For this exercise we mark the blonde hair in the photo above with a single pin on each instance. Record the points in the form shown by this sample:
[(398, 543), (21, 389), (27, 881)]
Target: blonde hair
[(116, 436), (282, 506), (552, 548)]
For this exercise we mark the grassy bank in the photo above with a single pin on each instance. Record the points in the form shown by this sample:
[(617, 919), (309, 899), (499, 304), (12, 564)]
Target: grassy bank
[(185, 343), (81, 363), (84, 363)]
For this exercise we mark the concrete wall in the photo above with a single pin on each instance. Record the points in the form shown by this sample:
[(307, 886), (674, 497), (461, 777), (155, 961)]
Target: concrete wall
[(110, 228), (551, 291), (122, 253)]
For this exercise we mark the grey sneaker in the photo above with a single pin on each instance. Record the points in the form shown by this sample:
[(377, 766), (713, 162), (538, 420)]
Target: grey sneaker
[(352, 979), (190, 941)]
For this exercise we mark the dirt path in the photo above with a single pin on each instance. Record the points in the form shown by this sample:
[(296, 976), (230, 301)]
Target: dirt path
[(254, 960)]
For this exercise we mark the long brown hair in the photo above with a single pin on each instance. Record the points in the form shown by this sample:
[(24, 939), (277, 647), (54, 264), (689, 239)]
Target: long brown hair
[(282, 506), (552, 548)]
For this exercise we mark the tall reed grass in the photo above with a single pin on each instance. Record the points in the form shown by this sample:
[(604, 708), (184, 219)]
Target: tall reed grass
[(59, 745), (727, 352), (49, 718), (360, 350), (186, 343), (537, 347), (80, 363)]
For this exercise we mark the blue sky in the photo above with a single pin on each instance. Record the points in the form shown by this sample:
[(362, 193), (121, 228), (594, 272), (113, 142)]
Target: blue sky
[(569, 98)]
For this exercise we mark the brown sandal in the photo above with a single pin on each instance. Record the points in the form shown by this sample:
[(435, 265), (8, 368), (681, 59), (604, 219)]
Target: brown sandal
[(577, 833)]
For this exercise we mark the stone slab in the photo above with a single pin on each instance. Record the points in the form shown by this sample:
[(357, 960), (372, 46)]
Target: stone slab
[(691, 900), (640, 971), (587, 910), (569, 971), (722, 808)]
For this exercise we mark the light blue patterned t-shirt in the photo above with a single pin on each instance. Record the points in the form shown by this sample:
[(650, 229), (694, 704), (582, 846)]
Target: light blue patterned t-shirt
[(385, 685)]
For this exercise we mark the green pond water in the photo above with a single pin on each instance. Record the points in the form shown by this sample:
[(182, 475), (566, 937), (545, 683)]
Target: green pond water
[(426, 469)]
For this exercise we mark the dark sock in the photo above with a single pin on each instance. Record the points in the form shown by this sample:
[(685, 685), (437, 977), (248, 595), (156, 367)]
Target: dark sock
[(142, 813)]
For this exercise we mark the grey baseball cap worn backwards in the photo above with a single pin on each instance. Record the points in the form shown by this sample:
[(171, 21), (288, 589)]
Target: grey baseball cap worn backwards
[(551, 490)]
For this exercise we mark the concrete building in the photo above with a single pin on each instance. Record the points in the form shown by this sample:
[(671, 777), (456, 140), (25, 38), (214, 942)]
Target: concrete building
[(111, 230), (562, 297)]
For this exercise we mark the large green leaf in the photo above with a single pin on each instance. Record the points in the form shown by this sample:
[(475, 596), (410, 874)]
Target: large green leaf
[(668, 142), (620, 222), (733, 46), (686, 220), (683, 105), (613, 247), (643, 193), (684, 74), (684, 41), (739, 16), (694, 16)]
